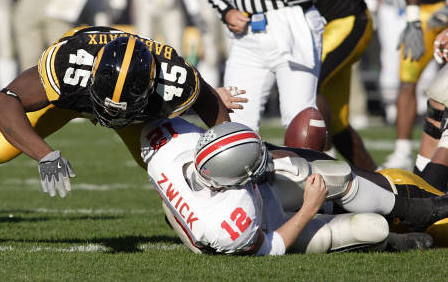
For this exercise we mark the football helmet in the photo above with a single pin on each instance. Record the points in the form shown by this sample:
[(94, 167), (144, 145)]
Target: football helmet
[(229, 154), (122, 81)]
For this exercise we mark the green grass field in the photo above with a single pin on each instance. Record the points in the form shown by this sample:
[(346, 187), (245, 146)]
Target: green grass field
[(111, 227)]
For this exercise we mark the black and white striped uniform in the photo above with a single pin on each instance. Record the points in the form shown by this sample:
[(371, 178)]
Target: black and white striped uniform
[(287, 53), (254, 6)]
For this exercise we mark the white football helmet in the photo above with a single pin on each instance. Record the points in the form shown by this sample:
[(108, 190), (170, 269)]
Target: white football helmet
[(230, 154)]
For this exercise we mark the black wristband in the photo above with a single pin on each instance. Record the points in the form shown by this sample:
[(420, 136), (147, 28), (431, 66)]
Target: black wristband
[(10, 93)]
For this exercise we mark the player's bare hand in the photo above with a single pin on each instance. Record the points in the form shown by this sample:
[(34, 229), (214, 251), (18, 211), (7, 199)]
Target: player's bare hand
[(229, 95), (315, 192), (236, 21), (441, 47)]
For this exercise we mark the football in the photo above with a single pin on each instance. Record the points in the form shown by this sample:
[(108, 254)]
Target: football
[(306, 130)]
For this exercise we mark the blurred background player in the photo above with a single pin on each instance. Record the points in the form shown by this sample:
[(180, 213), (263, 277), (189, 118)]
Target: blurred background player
[(8, 64), (163, 20), (347, 34), (272, 42), (416, 43), (37, 26), (205, 39)]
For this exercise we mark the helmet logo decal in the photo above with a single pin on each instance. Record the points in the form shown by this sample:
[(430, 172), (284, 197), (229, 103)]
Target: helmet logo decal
[(124, 69), (206, 171), (121, 106), (224, 143), (206, 138)]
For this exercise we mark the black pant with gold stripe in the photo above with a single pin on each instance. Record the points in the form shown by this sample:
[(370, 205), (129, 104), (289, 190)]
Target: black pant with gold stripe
[(344, 41)]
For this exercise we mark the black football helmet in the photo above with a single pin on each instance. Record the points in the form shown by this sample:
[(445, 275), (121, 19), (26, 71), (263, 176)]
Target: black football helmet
[(122, 81)]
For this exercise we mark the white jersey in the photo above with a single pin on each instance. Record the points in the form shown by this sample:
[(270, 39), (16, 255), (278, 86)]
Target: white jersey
[(223, 222)]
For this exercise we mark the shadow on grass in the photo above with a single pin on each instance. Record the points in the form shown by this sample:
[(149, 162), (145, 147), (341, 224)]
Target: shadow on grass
[(18, 219), (125, 244)]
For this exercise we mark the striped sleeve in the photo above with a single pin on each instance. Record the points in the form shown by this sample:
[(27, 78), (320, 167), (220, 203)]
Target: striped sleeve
[(222, 7), (47, 72), (193, 97)]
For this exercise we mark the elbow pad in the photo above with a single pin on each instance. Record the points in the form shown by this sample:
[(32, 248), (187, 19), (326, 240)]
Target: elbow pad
[(273, 245), (336, 174)]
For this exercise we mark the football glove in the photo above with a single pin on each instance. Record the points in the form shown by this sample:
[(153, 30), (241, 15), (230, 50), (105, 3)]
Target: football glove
[(439, 19), (412, 40), (55, 172)]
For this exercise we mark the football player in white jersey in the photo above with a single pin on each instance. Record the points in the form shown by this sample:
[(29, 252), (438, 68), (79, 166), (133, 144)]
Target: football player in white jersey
[(233, 215), (213, 204)]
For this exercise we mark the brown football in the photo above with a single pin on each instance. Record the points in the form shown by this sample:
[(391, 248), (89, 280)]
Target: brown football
[(306, 130)]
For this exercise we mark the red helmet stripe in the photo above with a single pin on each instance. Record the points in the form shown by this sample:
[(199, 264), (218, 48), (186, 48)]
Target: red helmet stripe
[(227, 140)]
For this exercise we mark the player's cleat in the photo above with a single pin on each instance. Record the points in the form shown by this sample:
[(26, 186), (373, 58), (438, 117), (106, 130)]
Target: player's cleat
[(399, 160), (408, 241)]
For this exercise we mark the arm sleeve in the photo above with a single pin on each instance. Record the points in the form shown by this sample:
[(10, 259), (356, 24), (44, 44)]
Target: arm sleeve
[(222, 7), (273, 245)]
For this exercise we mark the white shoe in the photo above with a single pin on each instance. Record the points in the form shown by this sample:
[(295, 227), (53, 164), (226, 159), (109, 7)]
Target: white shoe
[(399, 160)]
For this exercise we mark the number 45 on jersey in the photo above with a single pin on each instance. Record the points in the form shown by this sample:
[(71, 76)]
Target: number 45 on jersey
[(176, 74)]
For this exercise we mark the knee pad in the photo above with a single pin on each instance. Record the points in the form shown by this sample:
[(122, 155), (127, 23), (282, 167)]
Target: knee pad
[(438, 91), (357, 230), (315, 238)]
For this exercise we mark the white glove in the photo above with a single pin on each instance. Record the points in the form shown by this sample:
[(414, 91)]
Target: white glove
[(55, 172), (412, 35)]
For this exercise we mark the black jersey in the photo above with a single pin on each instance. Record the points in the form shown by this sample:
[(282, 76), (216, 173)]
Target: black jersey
[(65, 70), (334, 9)]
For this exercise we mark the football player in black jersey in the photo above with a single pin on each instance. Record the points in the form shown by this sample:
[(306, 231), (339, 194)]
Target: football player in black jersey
[(347, 34), (114, 78)]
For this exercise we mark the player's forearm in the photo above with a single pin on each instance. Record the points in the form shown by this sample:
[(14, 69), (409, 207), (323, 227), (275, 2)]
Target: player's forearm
[(295, 225), (17, 129), (413, 2), (210, 107)]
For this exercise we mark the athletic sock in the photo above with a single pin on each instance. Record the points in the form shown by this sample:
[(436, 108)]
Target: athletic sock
[(403, 146), (366, 196), (421, 162)]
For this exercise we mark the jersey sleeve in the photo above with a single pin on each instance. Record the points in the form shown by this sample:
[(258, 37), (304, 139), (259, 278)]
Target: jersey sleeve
[(47, 65), (177, 83)]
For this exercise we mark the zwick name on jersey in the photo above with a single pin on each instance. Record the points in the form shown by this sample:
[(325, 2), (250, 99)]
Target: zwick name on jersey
[(103, 39), (177, 201)]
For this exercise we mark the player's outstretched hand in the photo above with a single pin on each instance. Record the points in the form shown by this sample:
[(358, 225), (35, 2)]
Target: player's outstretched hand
[(315, 192), (229, 95), (441, 47), (55, 172), (412, 40)]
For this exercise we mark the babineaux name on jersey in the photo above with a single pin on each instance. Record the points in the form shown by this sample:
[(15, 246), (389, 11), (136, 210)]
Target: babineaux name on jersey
[(176, 200), (104, 38)]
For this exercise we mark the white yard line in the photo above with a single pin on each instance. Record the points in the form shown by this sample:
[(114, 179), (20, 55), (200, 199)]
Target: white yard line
[(35, 183), (87, 248)]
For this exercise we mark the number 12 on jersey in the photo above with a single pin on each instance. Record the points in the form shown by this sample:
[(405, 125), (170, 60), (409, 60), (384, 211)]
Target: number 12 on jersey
[(239, 217)]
